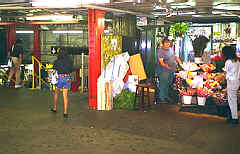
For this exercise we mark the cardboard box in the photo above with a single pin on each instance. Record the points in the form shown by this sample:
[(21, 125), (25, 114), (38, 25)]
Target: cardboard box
[(137, 67)]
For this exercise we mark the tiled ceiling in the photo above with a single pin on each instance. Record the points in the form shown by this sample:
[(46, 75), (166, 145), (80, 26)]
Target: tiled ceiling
[(167, 10)]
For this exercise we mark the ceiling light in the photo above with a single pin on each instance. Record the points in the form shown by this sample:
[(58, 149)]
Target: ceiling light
[(197, 15), (64, 3), (186, 13), (230, 15), (24, 32), (229, 7), (54, 3), (217, 12), (159, 14), (67, 32), (53, 17)]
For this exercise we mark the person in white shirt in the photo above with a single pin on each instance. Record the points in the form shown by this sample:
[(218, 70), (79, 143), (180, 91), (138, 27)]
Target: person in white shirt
[(232, 69)]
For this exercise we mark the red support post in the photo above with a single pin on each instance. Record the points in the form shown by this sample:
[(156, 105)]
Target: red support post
[(36, 46), (11, 36), (95, 30)]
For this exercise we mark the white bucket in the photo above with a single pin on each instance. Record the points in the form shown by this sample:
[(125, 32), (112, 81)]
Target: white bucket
[(187, 99), (201, 101)]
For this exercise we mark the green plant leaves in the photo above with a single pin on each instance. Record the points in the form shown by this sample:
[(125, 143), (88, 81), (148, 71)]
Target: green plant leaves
[(178, 30), (125, 100)]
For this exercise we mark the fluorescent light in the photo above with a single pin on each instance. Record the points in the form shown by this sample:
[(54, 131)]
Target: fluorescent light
[(229, 7), (159, 14), (53, 17), (186, 13), (217, 12), (54, 3), (95, 1), (197, 15), (67, 31), (64, 3), (24, 31)]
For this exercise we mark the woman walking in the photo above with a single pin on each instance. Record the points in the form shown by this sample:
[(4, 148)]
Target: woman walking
[(63, 66)]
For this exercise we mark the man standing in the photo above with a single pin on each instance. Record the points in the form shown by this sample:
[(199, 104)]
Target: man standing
[(16, 54)]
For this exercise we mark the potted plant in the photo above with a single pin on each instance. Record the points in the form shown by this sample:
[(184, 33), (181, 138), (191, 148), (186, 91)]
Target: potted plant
[(187, 94), (178, 30), (202, 94)]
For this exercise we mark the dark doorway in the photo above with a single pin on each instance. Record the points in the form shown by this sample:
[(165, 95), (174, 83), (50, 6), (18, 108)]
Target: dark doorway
[(3, 46)]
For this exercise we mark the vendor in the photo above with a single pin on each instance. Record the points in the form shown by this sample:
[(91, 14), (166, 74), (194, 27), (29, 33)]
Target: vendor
[(165, 68)]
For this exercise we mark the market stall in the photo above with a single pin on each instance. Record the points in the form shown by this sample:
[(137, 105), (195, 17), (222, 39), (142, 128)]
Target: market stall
[(202, 89)]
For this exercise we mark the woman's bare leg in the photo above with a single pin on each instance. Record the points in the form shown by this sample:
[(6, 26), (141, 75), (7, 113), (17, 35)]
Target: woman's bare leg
[(65, 100), (56, 94)]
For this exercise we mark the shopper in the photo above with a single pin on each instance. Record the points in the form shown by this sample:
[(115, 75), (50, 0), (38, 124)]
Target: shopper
[(165, 68), (64, 67), (16, 55), (232, 69)]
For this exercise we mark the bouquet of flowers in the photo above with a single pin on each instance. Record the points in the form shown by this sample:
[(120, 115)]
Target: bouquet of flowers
[(207, 67), (204, 92), (216, 57), (187, 92), (211, 84)]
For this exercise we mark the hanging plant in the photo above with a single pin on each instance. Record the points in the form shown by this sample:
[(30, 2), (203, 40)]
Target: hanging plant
[(178, 30)]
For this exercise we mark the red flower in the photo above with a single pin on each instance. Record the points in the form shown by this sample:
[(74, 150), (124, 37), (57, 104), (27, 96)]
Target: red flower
[(204, 92)]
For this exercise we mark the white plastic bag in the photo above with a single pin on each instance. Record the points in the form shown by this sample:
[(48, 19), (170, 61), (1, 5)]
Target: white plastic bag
[(53, 77), (9, 64)]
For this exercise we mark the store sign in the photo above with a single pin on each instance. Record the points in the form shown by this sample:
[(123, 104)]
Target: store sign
[(142, 21)]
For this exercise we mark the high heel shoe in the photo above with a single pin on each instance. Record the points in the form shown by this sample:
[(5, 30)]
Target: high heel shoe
[(52, 110), (65, 115)]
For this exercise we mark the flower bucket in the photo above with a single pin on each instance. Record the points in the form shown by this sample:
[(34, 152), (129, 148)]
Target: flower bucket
[(201, 101), (187, 99)]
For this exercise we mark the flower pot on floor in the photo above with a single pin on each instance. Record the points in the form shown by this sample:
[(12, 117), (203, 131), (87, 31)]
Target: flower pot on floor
[(187, 99), (201, 101)]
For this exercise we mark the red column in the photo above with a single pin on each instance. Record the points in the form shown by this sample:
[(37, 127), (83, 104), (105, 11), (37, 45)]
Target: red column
[(11, 35), (95, 30), (36, 45)]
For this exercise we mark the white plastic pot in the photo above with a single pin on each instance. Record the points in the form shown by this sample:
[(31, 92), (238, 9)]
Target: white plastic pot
[(201, 101), (187, 99)]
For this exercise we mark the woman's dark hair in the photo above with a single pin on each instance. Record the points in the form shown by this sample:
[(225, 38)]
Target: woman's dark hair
[(165, 39), (229, 53)]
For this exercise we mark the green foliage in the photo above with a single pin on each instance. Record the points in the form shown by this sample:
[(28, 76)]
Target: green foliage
[(178, 30), (125, 100)]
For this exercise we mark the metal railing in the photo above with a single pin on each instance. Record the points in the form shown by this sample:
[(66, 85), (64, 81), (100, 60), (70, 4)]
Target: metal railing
[(34, 75)]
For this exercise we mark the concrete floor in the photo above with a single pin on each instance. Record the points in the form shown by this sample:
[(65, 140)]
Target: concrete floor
[(27, 127)]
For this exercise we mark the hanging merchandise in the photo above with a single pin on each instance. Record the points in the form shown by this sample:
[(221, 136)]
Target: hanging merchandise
[(110, 82), (199, 44), (188, 49), (238, 47)]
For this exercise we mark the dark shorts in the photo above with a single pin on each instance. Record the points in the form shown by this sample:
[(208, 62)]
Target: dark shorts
[(64, 82)]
